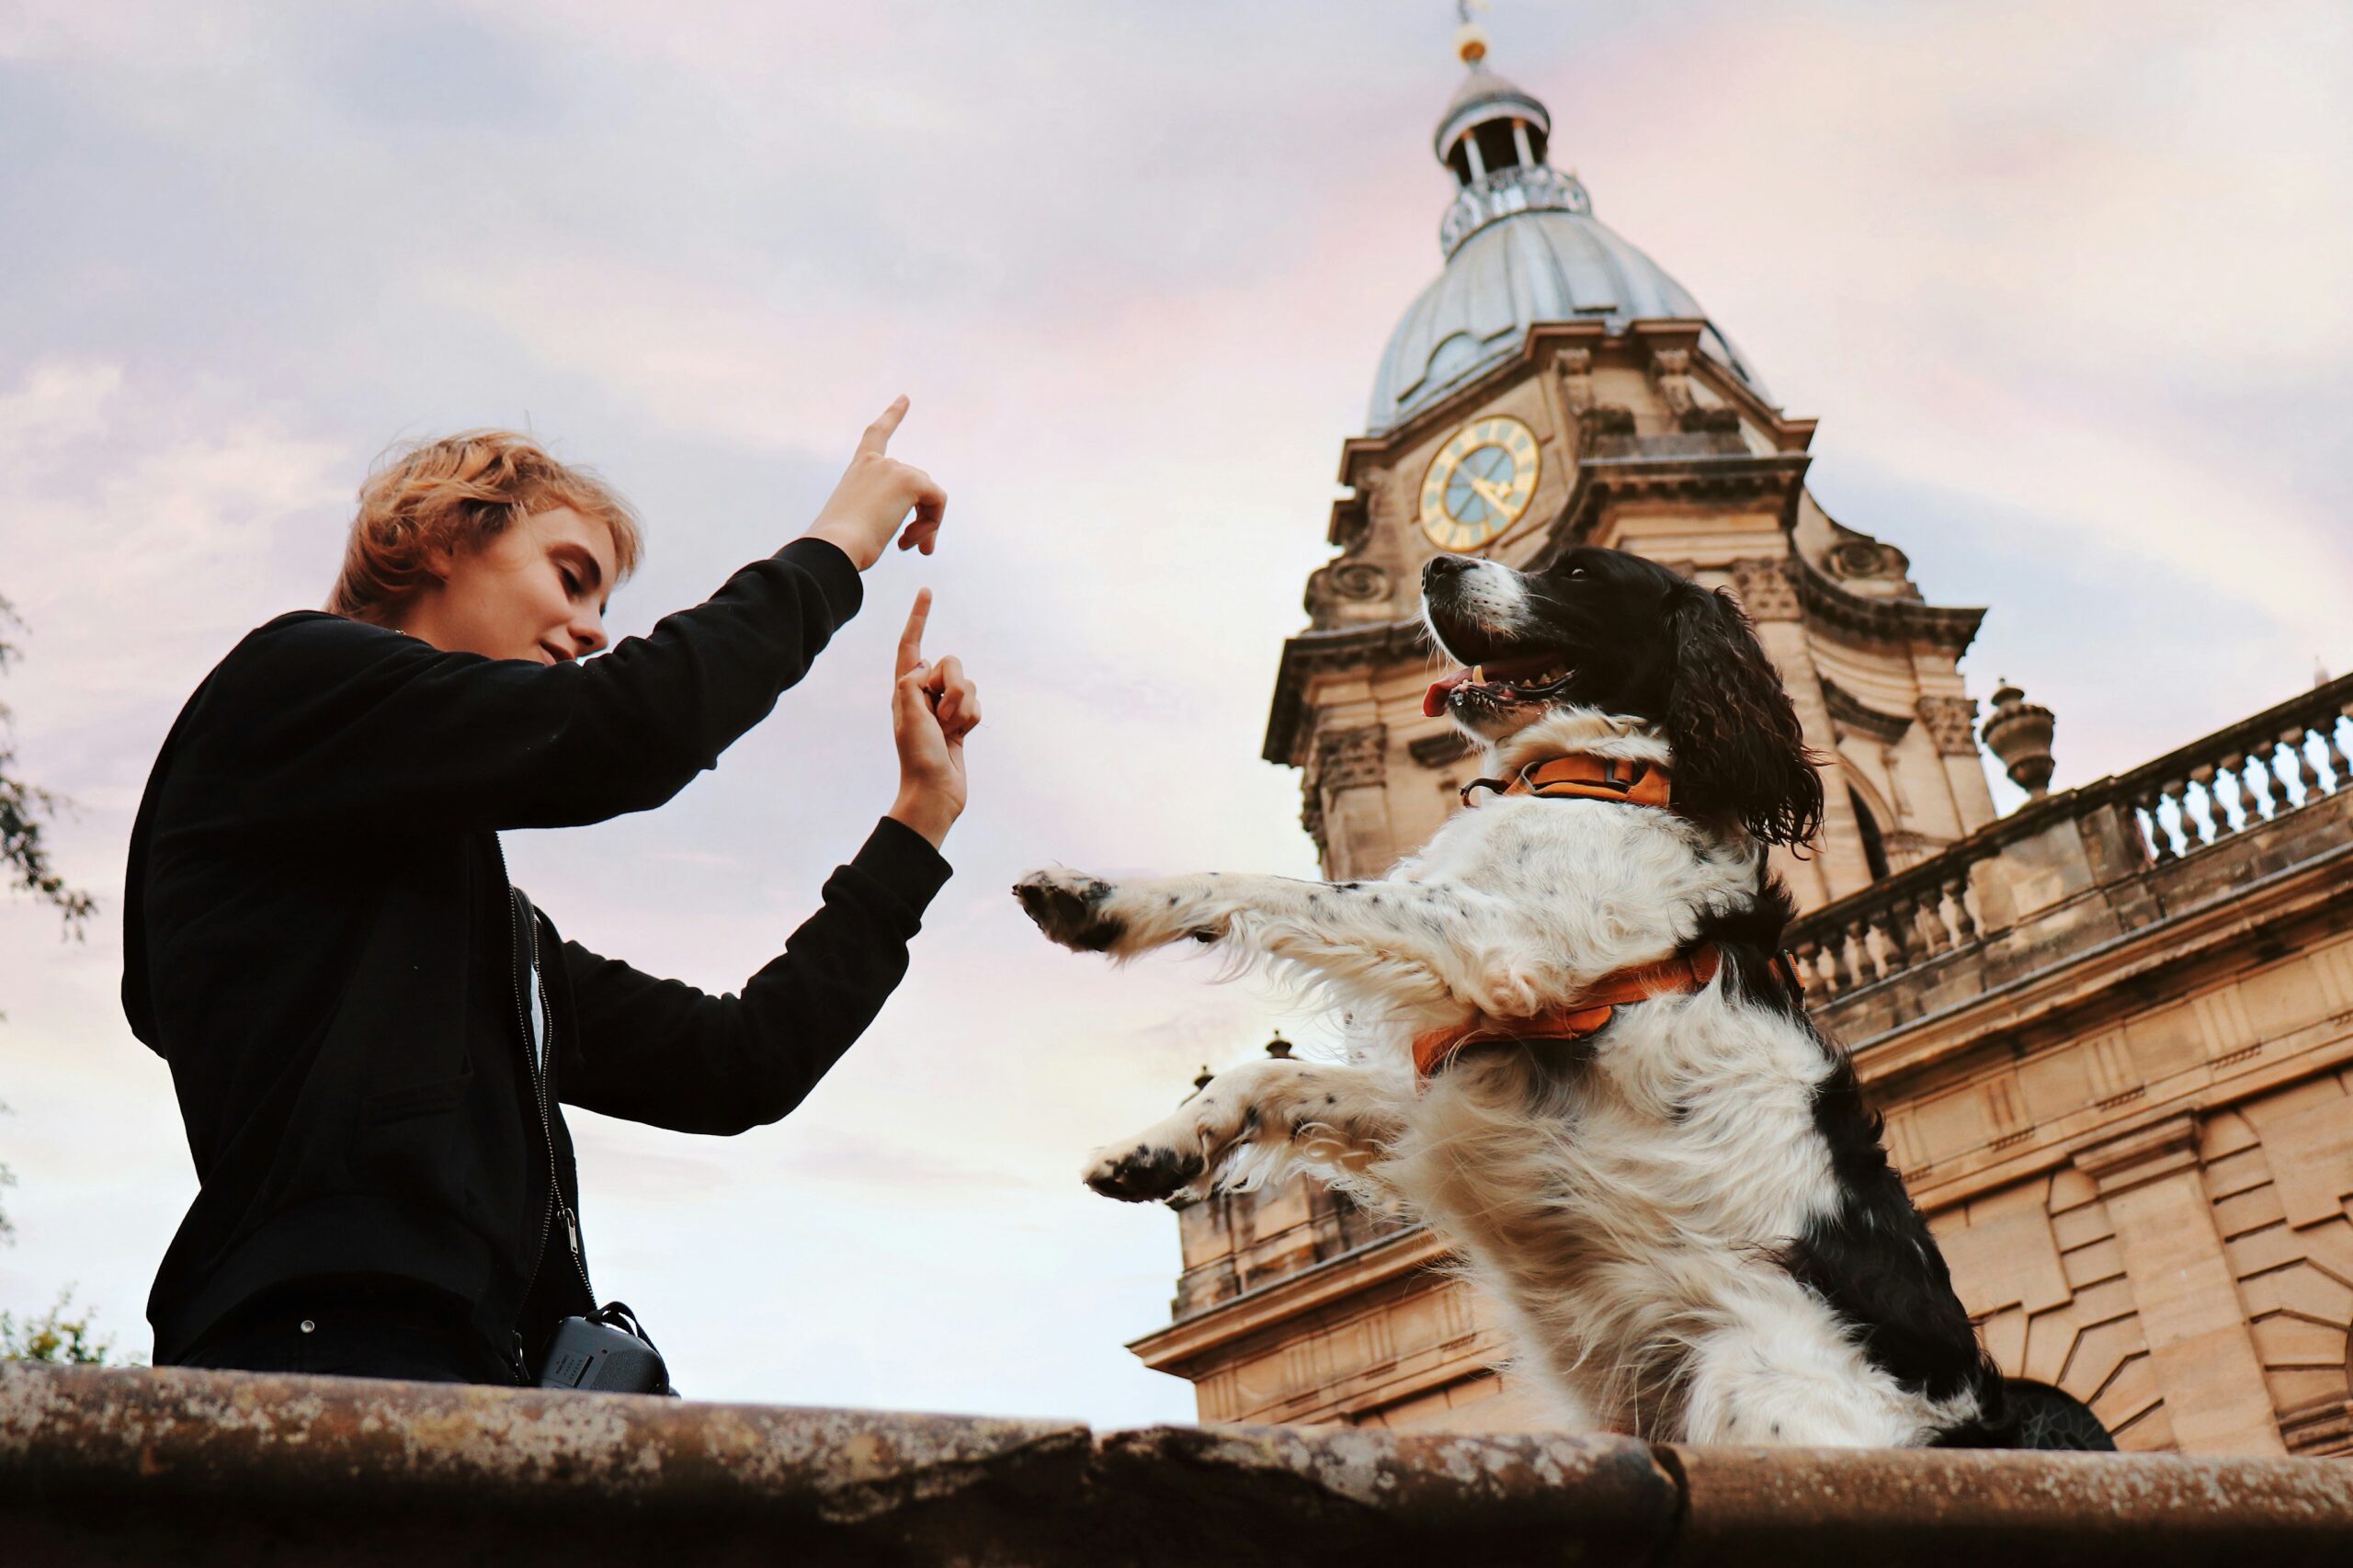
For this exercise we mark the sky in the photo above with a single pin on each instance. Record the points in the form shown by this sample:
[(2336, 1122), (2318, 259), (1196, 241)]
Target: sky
[(2062, 281)]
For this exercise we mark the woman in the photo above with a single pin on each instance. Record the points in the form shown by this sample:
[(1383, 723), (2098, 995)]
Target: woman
[(370, 1035)]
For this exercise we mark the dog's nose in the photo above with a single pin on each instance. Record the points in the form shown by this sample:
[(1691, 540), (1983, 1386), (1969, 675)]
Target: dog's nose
[(1440, 567)]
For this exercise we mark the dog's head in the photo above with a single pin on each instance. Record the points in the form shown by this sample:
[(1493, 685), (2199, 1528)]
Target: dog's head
[(1604, 629)]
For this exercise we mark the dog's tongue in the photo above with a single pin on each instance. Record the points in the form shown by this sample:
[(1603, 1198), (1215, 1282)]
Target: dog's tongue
[(1434, 699)]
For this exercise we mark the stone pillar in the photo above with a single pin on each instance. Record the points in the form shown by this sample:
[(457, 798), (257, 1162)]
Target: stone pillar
[(1951, 724), (1836, 866), (1348, 782), (2182, 1286)]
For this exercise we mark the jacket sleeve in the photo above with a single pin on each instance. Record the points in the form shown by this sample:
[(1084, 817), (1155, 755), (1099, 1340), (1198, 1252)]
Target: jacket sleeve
[(663, 1052), (318, 719)]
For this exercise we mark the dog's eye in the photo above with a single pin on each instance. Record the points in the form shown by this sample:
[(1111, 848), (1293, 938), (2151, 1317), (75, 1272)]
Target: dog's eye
[(1577, 574)]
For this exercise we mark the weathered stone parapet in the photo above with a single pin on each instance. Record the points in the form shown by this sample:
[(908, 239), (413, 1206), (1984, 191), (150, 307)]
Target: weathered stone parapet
[(1751, 1507), (130, 1466)]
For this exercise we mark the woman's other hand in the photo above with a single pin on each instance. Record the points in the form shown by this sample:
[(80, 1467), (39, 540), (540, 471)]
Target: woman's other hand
[(933, 708), (875, 494)]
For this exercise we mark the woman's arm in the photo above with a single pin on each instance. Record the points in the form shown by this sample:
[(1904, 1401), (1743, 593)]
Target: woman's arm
[(324, 719), (314, 719), (662, 1052)]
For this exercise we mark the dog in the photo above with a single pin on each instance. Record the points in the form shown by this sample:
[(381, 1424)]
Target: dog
[(1573, 1048)]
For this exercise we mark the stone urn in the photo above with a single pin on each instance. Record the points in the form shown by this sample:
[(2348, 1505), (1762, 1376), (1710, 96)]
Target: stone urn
[(2018, 731)]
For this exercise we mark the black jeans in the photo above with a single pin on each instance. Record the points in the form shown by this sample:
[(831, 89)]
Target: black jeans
[(338, 1329)]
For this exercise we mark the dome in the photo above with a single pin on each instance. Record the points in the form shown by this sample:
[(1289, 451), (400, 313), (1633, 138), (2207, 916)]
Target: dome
[(1522, 247), (1503, 278)]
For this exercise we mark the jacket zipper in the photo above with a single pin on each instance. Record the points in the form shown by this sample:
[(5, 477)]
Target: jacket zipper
[(555, 1204), (570, 1221)]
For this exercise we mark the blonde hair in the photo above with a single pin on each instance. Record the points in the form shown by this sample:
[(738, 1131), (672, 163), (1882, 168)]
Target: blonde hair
[(455, 494)]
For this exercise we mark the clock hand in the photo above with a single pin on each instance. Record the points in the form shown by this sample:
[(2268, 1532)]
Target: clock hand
[(1489, 491)]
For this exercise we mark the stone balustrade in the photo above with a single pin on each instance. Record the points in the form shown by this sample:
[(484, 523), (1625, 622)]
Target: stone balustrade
[(2253, 771), (116, 1468), (2241, 781)]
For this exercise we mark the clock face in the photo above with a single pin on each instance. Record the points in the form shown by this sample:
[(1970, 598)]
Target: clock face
[(1479, 483)]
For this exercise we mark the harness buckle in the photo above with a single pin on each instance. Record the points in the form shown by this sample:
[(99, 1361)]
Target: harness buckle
[(1498, 785)]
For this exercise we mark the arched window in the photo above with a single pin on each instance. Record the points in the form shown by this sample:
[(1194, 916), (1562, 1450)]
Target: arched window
[(1874, 846)]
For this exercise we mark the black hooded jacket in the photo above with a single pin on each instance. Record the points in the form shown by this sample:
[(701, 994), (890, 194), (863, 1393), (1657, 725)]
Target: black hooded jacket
[(320, 938)]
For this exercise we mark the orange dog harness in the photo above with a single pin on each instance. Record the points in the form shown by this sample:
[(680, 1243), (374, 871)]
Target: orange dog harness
[(1580, 775), (1574, 1020)]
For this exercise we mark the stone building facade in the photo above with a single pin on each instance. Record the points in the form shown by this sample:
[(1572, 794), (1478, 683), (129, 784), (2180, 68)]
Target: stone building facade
[(2111, 1032)]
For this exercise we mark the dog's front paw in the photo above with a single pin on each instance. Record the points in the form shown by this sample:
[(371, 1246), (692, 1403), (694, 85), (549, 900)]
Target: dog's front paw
[(1069, 908), (1504, 992), (1143, 1172)]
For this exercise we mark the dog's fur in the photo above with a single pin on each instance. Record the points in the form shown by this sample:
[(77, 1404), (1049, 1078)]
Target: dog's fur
[(1688, 1217)]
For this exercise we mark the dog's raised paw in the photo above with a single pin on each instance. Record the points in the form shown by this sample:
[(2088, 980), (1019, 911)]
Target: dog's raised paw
[(1142, 1173), (1507, 993), (1068, 907)]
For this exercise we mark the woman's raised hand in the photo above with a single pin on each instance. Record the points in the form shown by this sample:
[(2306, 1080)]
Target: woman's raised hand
[(875, 494), (933, 708)]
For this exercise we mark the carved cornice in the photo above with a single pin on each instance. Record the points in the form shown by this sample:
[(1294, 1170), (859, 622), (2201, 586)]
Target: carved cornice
[(1948, 627), (1708, 475), (2142, 1155), (1848, 709), (1317, 653)]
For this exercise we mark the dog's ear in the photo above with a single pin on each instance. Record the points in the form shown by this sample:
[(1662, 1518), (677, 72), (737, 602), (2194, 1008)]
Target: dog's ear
[(1738, 750)]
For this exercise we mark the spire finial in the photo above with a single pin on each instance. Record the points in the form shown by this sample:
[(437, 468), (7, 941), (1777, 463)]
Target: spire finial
[(1493, 138), (2018, 731), (1470, 39)]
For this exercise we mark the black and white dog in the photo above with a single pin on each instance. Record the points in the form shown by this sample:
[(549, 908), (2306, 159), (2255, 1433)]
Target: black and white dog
[(1571, 1049)]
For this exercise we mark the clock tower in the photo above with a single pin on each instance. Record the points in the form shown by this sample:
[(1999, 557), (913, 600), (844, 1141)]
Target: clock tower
[(1554, 386), (2111, 1032)]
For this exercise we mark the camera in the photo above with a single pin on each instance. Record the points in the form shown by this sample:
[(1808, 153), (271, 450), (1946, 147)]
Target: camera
[(606, 1352)]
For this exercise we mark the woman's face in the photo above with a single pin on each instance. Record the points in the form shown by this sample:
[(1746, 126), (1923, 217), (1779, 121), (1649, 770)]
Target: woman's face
[(536, 592)]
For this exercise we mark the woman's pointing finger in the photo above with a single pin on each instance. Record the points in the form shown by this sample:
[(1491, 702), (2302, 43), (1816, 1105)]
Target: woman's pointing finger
[(911, 640), (877, 439)]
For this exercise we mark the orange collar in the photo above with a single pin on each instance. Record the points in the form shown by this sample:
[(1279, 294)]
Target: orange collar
[(1433, 1048), (1582, 775)]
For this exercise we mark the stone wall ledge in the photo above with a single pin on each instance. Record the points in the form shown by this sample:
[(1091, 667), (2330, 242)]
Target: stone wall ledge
[(185, 1467)]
